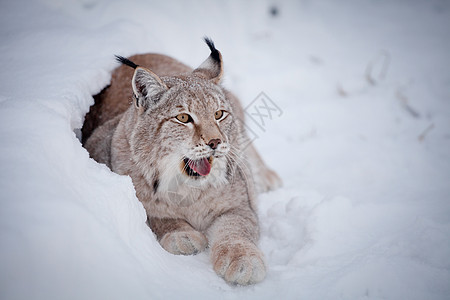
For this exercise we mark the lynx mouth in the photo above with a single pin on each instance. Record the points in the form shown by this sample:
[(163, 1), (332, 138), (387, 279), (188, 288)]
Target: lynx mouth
[(197, 168)]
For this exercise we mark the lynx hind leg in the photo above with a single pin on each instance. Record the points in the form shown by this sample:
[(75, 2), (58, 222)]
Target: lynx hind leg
[(268, 180), (177, 236), (265, 178)]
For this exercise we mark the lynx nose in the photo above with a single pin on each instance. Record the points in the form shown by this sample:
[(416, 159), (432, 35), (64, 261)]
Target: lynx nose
[(214, 143)]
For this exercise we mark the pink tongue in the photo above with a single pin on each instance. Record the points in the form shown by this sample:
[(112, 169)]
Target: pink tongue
[(200, 166)]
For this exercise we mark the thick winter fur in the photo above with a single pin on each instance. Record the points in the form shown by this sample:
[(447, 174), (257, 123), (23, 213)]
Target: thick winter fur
[(136, 132)]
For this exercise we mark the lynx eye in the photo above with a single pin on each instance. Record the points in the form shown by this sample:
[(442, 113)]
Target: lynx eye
[(219, 114), (184, 118)]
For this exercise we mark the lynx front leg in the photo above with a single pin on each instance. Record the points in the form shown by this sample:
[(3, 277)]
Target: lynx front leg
[(234, 253), (177, 236)]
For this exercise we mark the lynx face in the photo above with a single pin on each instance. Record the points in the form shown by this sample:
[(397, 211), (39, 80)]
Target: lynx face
[(188, 123)]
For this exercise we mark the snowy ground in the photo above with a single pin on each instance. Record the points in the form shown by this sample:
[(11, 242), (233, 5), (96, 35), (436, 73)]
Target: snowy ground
[(362, 145)]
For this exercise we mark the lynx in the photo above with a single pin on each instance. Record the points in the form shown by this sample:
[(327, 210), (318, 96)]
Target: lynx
[(181, 140)]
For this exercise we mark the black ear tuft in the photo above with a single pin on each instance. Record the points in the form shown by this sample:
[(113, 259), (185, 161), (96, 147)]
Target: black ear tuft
[(126, 61), (212, 67), (214, 52)]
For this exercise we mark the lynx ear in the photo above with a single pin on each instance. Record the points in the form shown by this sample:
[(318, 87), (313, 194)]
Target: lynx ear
[(212, 67), (147, 87)]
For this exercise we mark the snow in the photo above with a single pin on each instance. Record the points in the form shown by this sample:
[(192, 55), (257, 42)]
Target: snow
[(364, 212)]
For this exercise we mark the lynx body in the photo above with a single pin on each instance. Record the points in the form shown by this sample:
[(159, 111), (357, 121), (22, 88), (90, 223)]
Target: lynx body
[(181, 141)]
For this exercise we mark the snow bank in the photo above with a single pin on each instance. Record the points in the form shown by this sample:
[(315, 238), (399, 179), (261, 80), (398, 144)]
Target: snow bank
[(362, 146)]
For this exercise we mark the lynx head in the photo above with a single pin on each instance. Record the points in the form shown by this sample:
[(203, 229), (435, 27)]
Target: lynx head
[(184, 131)]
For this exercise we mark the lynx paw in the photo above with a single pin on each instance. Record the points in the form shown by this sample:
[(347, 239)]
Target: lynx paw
[(239, 263), (184, 242)]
